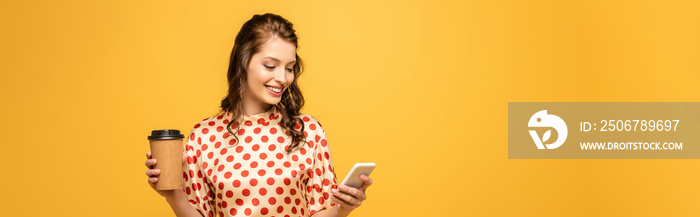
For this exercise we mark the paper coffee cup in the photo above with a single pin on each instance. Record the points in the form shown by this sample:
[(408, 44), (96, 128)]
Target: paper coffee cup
[(166, 148)]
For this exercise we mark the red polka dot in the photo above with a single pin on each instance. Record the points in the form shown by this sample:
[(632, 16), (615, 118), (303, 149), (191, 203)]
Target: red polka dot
[(270, 164), (324, 142), (262, 191), (210, 155), (295, 158), (294, 210), (279, 190), (280, 156), (254, 164), (306, 119), (232, 142), (287, 181), (256, 202), (229, 158), (221, 168), (297, 126), (297, 201), (309, 161), (217, 145), (228, 175), (261, 120), (318, 171), (326, 155), (264, 139), (221, 185), (212, 123), (302, 151), (239, 201), (246, 192), (226, 122), (271, 147), (205, 130), (223, 205), (273, 130), (257, 130), (287, 164), (244, 173), (248, 139), (236, 183), (246, 156), (248, 123), (312, 126), (264, 211), (248, 211), (241, 132), (326, 182), (272, 201), (229, 194), (294, 173), (278, 171), (280, 209), (233, 211), (292, 192), (256, 147), (287, 200), (302, 166), (237, 166), (253, 182), (239, 149), (263, 156), (197, 126), (219, 129), (280, 139), (261, 172), (223, 151)]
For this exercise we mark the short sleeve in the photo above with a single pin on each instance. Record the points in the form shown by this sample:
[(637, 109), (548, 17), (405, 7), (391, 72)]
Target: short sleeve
[(322, 179), (197, 188)]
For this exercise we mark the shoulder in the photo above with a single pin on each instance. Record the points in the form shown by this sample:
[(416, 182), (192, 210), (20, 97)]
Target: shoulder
[(209, 125), (310, 123)]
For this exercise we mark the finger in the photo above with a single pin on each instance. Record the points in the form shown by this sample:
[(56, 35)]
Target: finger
[(153, 172), (341, 202), (367, 181), (351, 191), (152, 180), (148, 155), (150, 162), (347, 198)]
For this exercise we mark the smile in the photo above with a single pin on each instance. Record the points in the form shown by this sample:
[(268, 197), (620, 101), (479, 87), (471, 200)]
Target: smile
[(274, 90)]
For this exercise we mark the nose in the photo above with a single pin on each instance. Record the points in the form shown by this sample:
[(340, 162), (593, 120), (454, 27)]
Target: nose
[(280, 76)]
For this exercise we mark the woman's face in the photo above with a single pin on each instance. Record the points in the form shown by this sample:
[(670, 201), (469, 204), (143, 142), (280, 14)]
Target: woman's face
[(270, 72)]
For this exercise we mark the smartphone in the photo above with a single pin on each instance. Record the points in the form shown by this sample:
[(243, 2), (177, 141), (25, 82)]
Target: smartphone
[(353, 177)]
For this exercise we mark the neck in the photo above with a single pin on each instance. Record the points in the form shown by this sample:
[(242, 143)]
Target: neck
[(253, 107)]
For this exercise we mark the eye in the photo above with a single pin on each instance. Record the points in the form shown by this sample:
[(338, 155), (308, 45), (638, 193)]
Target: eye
[(290, 69), (269, 67)]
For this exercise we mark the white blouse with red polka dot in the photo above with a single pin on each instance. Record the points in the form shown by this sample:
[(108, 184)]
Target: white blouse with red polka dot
[(253, 175)]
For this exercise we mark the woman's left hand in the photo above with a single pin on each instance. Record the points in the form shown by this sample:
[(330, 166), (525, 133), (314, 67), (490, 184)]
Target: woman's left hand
[(348, 198)]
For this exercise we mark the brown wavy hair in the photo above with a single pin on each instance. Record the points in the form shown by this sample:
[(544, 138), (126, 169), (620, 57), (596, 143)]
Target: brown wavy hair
[(252, 35)]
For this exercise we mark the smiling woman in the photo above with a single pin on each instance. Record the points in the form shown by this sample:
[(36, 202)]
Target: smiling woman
[(260, 156)]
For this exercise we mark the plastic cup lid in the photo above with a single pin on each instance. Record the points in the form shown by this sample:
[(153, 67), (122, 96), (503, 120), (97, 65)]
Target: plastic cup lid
[(165, 134)]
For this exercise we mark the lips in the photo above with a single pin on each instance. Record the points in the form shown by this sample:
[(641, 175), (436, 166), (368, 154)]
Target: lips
[(274, 90)]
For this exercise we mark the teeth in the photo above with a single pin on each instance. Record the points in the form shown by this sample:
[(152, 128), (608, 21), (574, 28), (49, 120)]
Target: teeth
[(276, 90)]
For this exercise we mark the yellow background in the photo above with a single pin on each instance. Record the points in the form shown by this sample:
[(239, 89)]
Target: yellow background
[(420, 88)]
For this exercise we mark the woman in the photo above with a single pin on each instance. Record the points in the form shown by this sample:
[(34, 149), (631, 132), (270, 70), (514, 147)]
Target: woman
[(260, 156)]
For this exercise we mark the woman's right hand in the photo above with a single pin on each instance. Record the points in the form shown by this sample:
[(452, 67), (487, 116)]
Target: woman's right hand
[(153, 175)]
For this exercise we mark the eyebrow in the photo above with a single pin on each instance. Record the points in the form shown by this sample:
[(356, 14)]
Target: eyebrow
[(277, 60)]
